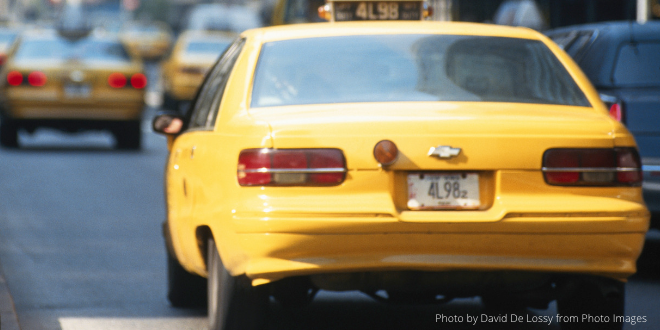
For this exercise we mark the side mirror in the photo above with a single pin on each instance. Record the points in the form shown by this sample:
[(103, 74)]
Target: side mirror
[(167, 123)]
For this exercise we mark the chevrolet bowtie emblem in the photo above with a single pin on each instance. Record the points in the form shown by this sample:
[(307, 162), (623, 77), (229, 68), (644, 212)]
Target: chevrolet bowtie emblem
[(444, 151)]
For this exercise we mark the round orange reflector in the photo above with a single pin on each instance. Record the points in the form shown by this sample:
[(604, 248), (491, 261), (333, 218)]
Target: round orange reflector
[(386, 152)]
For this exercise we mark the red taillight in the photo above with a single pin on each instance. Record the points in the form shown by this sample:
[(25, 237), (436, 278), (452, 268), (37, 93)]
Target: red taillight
[(117, 80), (252, 167), (616, 111), (14, 78), (628, 158), (37, 79), (561, 159), (592, 167), (287, 167), (139, 81), (321, 159)]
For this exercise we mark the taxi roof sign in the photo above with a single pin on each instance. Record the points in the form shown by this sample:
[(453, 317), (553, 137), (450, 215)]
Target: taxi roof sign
[(360, 10)]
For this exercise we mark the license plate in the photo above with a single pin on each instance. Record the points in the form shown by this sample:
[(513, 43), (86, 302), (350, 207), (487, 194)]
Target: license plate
[(77, 91), (428, 191), (378, 11)]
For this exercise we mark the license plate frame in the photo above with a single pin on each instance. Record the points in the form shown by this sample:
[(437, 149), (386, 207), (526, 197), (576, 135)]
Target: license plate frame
[(74, 91), (443, 191), (378, 10)]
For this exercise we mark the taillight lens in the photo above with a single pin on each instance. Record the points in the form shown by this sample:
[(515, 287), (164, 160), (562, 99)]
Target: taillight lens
[(592, 167), (614, 105), (117, 80), (291, 167), (37, 79), (139, 81), (14, 78), (616, 111)]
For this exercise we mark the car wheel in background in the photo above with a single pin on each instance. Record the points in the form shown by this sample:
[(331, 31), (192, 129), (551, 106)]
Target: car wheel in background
[(8, 134), (184, 290), (128, 135), (233, 303), (600, 300)]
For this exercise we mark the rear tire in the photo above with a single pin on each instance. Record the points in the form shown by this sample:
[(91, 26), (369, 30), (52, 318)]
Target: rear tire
[(129, 135), (597, 298), (8, 134), (233, 303), (184, 290)]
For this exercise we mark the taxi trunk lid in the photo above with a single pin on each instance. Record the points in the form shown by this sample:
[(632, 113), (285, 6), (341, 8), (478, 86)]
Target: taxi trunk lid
[(490, 135)]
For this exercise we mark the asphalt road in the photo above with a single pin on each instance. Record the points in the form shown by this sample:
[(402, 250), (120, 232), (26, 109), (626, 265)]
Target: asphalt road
[(81, 248)]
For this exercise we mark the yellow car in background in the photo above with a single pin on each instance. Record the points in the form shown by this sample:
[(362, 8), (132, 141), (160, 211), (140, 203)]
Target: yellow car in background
[(147, 40), (193, 55), (7, 39), (296, 11), (71, 81), (414, 161)]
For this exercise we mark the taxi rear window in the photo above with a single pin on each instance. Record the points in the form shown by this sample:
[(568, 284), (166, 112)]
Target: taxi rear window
[(391, 68), (7, 37), (62, 49)]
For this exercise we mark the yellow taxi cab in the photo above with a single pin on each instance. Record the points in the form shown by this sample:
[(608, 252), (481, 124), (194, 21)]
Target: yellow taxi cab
[(71, 80), (191, 57), (415, 161), (148, 41), (296, 11)]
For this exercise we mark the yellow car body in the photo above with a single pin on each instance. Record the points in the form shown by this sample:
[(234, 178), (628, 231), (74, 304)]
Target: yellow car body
[(365, 233), (147, 41), (73, 89), (191, 57)]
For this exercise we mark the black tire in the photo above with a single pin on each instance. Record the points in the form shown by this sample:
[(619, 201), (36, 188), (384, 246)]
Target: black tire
[(294, 292), (601, 300), (8, 134), (233, 303), (129, 135), (184, 290)]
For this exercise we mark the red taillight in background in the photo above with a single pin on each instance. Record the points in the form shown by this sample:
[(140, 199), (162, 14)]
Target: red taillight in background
[(616, 111), (37, 79), (117, 80), (14, 78), (287, 167), (592, 167), (139, 81), (614, 105)]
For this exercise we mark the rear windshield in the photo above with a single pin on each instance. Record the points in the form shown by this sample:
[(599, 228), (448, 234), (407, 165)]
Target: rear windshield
[(62, 49), (638, 65), (7, 37), (390, 68)]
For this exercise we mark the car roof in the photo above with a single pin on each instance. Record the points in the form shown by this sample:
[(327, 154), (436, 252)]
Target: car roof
[(616, 29), (597, 56), (311, 30)]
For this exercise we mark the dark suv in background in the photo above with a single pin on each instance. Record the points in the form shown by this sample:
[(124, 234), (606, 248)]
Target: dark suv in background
[(622, 60)]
